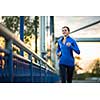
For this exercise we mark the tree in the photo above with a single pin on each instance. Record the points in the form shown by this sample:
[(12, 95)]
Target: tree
[(30, 27), (36, 26), (96, 69), (11, 22)]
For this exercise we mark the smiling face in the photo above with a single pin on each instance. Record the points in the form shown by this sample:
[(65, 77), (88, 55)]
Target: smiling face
[(65, 31)]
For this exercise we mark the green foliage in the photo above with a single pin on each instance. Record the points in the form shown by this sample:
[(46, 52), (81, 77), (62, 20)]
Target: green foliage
[(36, 21), (96, 69), (36, 25), (11, 22), (30, 26)]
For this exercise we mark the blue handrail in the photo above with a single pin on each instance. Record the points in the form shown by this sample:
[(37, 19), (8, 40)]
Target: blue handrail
[(16, 65)]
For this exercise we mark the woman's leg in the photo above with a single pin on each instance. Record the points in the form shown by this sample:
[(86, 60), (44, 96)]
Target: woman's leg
[(70, 71), (62, 71)]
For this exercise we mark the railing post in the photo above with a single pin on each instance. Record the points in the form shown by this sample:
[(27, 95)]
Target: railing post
[(31, 69), (21, 32), (10, 60), (42, 36), (46, 73), (40, 71)]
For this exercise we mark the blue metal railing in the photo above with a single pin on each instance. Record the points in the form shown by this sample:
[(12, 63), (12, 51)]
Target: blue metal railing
[(20, 69)]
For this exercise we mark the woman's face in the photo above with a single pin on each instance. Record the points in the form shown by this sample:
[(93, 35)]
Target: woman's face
[(65, 32)]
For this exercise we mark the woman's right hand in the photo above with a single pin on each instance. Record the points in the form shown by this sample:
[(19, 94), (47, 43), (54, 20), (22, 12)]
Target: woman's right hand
[(59, 54)]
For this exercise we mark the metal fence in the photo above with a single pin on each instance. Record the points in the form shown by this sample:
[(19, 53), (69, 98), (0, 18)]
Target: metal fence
[(16, 68)]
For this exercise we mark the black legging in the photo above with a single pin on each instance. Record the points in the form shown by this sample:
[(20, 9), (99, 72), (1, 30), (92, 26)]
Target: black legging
[(66, 75)]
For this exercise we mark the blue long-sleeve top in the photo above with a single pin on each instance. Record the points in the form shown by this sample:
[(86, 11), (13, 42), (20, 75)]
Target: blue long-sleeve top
[(66, 57)]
